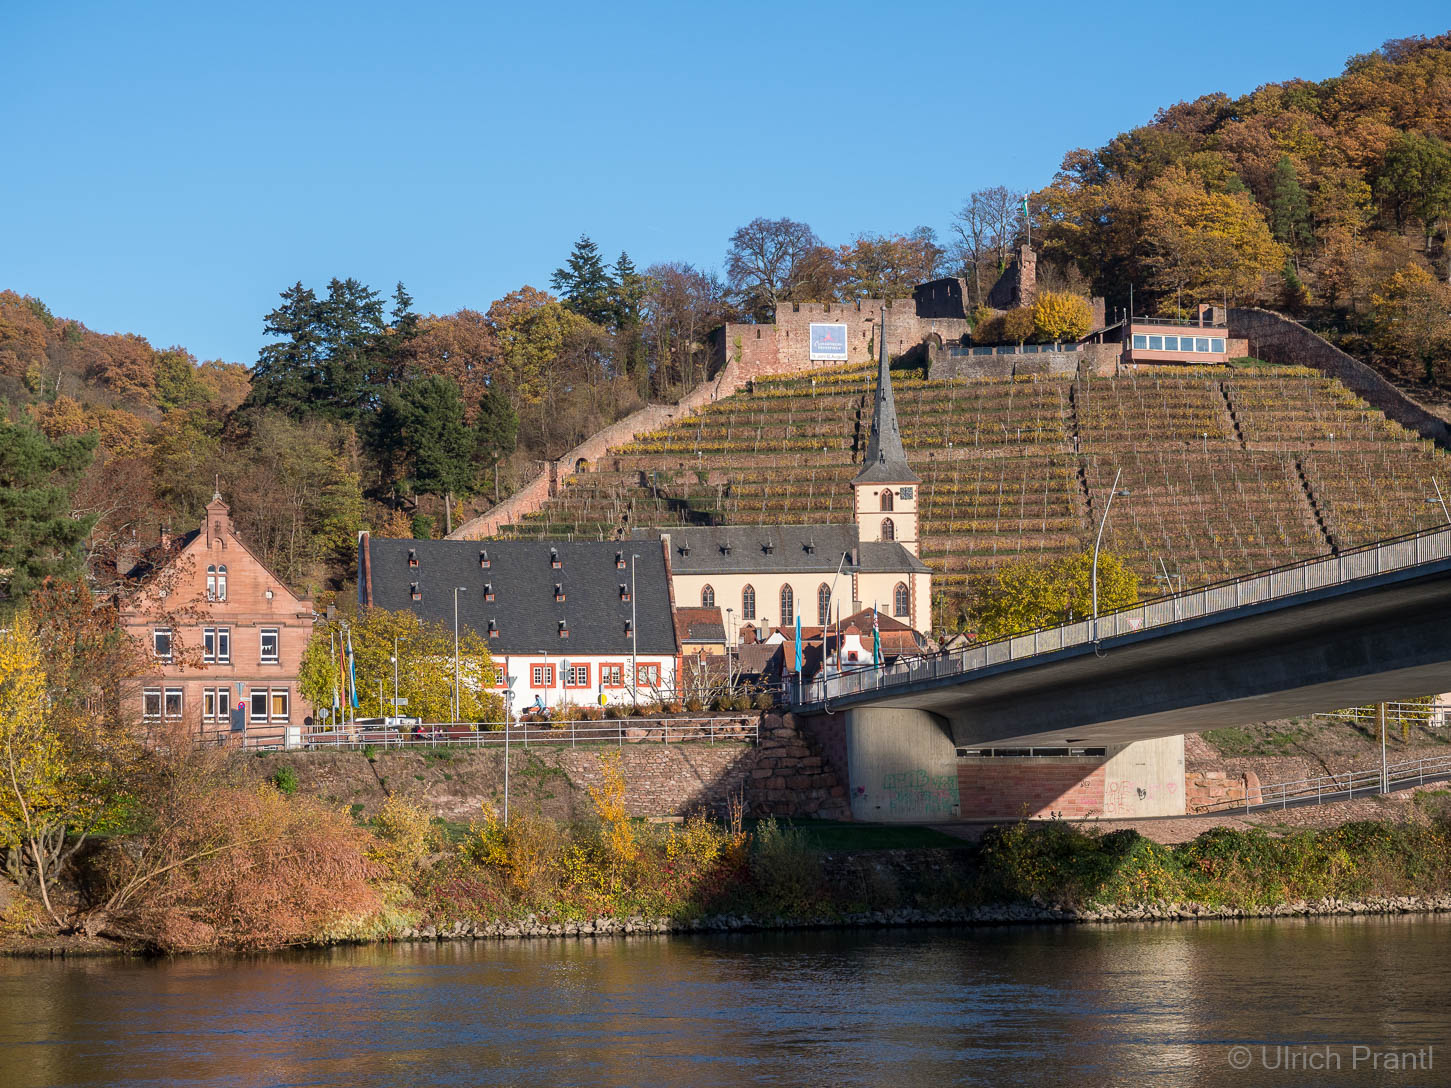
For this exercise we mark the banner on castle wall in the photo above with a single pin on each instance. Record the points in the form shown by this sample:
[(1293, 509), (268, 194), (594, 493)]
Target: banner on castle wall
[(828, 342)]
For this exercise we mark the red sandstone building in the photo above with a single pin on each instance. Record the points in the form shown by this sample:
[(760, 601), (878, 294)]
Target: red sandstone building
[(226, 635)]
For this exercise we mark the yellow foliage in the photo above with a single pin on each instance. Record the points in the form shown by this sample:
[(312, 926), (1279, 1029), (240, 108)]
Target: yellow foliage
[(609, 802), (1060, 316), (405, 838)]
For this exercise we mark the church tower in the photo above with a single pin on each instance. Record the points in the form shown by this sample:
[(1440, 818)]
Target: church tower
[(885, 491)]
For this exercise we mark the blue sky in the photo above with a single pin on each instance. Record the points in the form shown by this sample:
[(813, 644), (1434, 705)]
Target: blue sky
[(171, 167)]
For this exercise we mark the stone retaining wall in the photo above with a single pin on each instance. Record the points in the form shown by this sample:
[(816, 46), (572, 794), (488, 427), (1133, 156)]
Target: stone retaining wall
[(1204, 789)]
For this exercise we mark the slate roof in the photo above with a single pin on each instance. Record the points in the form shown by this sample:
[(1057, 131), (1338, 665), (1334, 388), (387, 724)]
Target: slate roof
[(886, 461), (522, 580), (780, 549)]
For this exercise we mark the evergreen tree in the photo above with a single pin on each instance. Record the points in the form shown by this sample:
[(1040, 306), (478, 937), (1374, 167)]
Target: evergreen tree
[(1289, 206), (40, 537), (630, 288), (332, 358), (496, 432), (584, 284)]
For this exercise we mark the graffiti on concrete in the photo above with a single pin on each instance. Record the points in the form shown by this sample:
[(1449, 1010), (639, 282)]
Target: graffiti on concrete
[(917, 792), (1122, 798)]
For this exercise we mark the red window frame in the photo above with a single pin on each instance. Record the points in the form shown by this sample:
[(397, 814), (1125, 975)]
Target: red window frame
[(574, 666), (501, 676), (647, 670), (542, 675), (606, 668)]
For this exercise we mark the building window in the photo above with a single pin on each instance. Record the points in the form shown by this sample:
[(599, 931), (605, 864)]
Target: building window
[(173, 704), (151, 703), (889, 531), (501, 676), (707, 597), (1171, 343), (217, 583), (1156, 343), (1141, 342), (748, 603), (259, 704), (788, 606), (1201, 343), (269, 646), (823, 605), (279, 704), (1216, 344), (576, 676), (901, 600), (543, 676), (161, 642), (214, 704), (217, 645), (886, 498), (647, 676), (612, 676)]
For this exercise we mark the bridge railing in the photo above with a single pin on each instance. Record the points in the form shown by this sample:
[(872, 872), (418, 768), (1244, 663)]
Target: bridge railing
[(1290, 580), (1346, 785)]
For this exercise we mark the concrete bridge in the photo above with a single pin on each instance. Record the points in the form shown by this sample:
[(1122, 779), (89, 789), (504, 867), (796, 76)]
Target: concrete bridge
[(1371, 624)]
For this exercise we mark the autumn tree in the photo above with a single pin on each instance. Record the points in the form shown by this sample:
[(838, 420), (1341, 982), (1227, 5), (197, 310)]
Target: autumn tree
[(425, 667), (1411, 314), (1414, 182), (767, 261), (1060, 316), (1023, 596), (888, 266)]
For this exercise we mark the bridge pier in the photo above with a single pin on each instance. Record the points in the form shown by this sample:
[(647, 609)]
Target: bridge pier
[(902, 766)]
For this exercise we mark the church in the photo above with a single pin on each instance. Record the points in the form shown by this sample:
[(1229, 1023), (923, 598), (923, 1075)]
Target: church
[(766, 576)]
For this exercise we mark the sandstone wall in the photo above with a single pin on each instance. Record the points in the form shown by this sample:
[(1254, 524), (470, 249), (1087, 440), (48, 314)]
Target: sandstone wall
[(1211, 788)]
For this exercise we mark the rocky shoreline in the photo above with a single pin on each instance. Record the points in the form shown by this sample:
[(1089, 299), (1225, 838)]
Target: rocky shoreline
[(998, 914)]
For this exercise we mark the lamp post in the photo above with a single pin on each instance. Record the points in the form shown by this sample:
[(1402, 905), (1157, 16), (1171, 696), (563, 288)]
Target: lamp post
[(394, 660), (730, 621), (634, 638), (1440, 500), (1099, 540), (456, 590)]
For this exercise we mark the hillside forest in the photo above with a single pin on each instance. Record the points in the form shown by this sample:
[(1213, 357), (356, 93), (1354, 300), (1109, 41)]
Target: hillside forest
[(1328, 200)]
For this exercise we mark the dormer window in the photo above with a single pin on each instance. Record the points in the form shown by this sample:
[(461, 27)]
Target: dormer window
[(629, 628), (554, 560), (493, 628), (488, 591), (563, 628), (483, 560), (810, 547), (619, 560), (624, 592), (768, 547), (412, 559), (415, 591), (685, 549), (558, 591), (725, 549)]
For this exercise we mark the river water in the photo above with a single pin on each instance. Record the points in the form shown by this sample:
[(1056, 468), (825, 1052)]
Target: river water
[(1062, 1005)]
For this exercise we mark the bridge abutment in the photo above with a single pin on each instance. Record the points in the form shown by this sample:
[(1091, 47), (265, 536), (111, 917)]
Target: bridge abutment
[(902, 765)]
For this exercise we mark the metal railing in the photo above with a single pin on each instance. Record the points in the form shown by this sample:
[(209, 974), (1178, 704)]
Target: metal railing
[(1337, 787), (619, 731), (1294, 579)]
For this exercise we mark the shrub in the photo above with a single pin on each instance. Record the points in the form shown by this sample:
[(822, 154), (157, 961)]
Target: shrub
[(784, 869), (764, 700), (284, 778), (694, 705), (405, 837), (1018, 324), (1059, 315)]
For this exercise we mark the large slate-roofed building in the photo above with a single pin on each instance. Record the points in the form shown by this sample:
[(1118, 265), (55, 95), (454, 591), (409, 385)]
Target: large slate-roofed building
[(565, 622)]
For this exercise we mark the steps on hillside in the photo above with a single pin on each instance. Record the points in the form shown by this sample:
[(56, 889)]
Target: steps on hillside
[(1316, 512)]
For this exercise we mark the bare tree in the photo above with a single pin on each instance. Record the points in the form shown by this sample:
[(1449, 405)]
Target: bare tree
[(681, 305), (763, 259), (986, 228)]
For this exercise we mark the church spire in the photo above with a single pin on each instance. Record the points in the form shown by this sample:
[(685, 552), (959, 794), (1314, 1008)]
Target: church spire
[(885, 460)]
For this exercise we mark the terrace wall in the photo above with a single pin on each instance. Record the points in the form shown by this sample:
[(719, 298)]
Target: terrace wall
[(1277, 339)]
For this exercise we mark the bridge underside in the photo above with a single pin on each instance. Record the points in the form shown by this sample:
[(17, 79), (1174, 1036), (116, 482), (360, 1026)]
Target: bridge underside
[(1387, 640)]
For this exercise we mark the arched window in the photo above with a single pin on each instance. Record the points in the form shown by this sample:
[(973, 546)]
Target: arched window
[(889, 531), (823, 605), (748, 603), (886, 498), (212, 582), (707, 597), (788, 606), (222, 582), (901, 600)]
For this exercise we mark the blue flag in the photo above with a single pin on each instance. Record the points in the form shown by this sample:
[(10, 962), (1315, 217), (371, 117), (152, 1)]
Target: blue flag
[(352, 672), (798, 644)]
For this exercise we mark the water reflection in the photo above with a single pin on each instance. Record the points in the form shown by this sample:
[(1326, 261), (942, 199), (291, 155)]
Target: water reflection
[(1110, 1005)]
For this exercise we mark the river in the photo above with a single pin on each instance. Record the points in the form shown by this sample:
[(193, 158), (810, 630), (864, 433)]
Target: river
[(1053, 1005)]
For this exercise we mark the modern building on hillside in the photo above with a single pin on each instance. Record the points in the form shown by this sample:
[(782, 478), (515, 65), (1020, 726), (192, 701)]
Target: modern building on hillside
[(225, 634), (576, 623), (1202, 340), (768, 575)]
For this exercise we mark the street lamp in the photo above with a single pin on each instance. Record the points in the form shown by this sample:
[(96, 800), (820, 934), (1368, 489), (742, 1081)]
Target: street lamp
[(456, 591), (1440, 500), (394, 660), (634, 638), (730, 621), (1098, 540)]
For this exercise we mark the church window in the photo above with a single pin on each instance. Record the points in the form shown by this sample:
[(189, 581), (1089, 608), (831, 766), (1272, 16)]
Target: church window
[(886, 498), (889, 531), (748, 603), (788, 606), (901, 600), (707, 597), (823, 605)]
